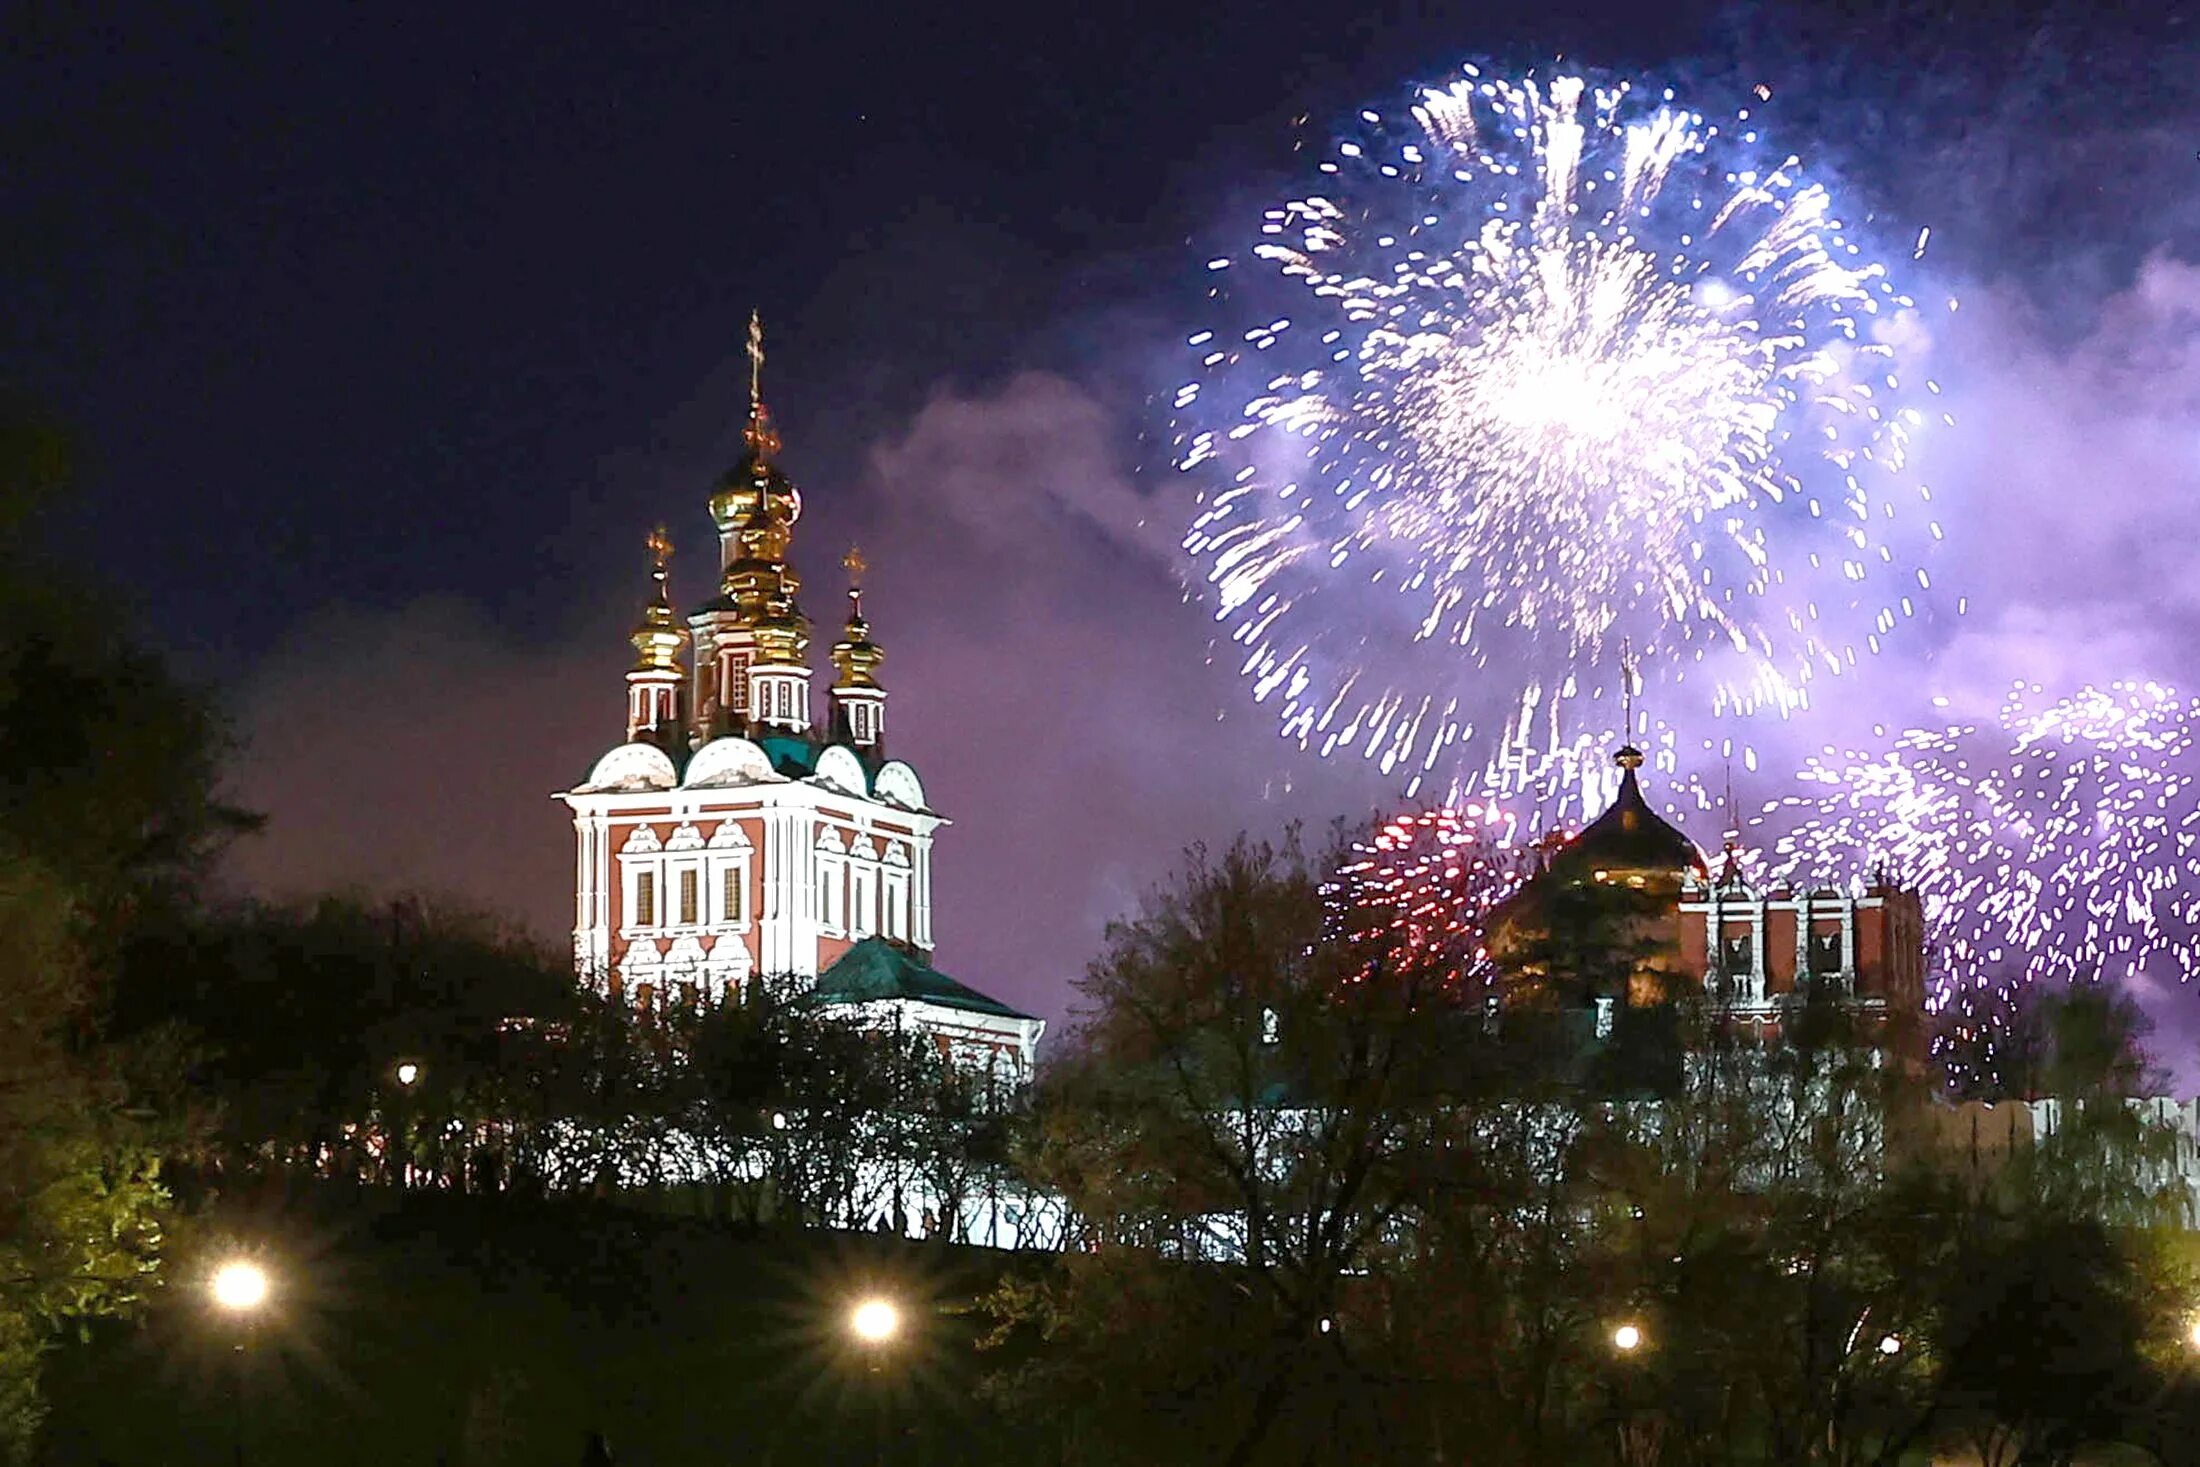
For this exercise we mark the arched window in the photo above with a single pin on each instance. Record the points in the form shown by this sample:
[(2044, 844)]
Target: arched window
[(642, 864), (894, 895), (862, 889), (832, 884)]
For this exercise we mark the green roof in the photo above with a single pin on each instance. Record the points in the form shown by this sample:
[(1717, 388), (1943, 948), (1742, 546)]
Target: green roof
[(791, 754), (876, 969)]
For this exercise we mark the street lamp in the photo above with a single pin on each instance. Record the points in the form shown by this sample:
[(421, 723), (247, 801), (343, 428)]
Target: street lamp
[(1890, 1344), (875, 1321), (407, 1074), (1627, 1339), (240, 1288)]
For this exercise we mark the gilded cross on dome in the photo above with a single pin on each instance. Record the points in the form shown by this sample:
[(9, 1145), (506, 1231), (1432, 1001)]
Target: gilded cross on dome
[(756, 360), (855, 565), (763, 442), (660, 549), (1628, 757)]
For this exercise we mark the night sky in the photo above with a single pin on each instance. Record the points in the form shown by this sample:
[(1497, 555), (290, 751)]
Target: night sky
[(389, 334)]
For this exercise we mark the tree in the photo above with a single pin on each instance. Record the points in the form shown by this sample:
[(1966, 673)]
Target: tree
[(301, 1016), (109, 812), (2043, 1326), (2100, 1149), (1246, 1130), (81, 1203)]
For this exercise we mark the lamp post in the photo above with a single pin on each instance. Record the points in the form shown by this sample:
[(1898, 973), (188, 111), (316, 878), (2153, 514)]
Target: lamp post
[(1638, 1427), (407, 1074), (875, 1323), (240, 1288)]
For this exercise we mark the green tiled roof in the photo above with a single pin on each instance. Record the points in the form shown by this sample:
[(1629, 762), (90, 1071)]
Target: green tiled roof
[(877, 969), (791, 754)]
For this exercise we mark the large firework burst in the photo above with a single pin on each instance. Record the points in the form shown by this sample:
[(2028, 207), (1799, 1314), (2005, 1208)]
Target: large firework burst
[(1544, 364), (2060, 842)]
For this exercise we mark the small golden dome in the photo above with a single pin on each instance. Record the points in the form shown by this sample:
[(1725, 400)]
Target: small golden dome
[(856, 657), (659, 639)]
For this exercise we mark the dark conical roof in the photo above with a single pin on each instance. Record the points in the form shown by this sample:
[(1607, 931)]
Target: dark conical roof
[(1628, 837)]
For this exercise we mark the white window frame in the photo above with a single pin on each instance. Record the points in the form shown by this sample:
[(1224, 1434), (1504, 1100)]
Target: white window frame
[(729, 853), (735, 693), (863, 887), (642, 851), (677, 871), (894, 913), (735, 867), (832, 885)]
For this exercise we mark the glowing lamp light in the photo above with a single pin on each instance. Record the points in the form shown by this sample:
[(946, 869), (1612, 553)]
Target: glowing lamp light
[(2192, 1335), (1627, 1339), (1890, 1345), (240, 1286), (875, 1321), (408, 1074)]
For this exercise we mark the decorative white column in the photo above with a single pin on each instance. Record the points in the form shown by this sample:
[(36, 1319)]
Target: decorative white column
[(1848, 945), (920, 891), (1757, 954), (802, 918), (1715, 945)]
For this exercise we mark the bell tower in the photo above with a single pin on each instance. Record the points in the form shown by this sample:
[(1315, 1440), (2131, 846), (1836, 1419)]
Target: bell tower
[(752, 642)]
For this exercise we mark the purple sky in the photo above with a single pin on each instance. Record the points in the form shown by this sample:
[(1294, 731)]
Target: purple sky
[(1054, 689), (390, 339)]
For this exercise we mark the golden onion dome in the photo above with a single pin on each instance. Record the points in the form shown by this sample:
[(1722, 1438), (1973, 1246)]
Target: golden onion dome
[(755, 488), (659, 638), (856, 657), (1629, 846), (1629, 840)]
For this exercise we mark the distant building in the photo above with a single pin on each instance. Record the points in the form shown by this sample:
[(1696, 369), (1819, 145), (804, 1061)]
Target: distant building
[(731, 835), (1976, 1138), (1754, 953)]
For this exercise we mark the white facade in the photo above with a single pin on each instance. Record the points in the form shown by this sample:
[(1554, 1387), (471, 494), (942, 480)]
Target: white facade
[(739, 869)]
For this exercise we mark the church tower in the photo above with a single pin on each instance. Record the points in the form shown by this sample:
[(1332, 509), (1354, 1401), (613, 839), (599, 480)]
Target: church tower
[(752, 641), (730, 838), (653, 683), (859, 703)]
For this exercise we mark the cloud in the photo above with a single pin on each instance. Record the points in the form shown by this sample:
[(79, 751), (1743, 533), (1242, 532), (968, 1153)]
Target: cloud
[(417, 751), (2075, 479)]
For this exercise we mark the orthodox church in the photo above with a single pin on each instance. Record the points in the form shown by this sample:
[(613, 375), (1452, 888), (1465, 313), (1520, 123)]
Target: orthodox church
[(730, 835), (1755, 952)]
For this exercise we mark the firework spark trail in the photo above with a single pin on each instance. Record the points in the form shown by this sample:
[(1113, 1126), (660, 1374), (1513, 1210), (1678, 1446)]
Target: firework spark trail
[(1542, 365), (1436, 873), (2062, 841), (1431, 879)]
